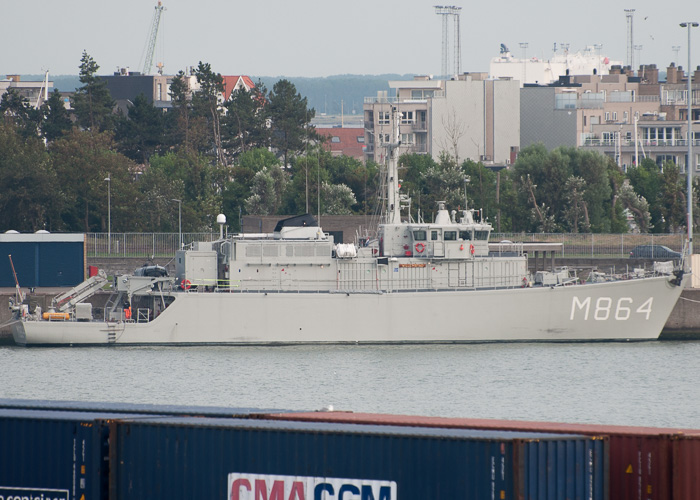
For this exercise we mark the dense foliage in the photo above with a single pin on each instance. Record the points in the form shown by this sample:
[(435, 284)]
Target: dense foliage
[(257, 153)]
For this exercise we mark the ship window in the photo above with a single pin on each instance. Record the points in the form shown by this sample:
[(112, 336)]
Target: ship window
[(450, 235), (419, 236), (433, 235), (465, 235), (481, 235)]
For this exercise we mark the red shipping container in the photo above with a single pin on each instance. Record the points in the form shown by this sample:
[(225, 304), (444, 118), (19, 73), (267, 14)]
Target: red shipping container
[(643, 461), (686, 466)]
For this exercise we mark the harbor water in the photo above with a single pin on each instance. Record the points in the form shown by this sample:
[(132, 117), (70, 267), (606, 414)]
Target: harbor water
[(645, 383)]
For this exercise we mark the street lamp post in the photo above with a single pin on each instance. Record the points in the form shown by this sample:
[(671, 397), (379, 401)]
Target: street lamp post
[(689, 163), (109, 213), (179, 218)]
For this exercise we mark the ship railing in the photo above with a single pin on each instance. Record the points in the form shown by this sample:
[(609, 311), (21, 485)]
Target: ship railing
[(595, 245), (586, 245)]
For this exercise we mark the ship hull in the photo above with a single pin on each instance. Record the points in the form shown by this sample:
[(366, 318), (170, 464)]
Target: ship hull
[(620, 310)]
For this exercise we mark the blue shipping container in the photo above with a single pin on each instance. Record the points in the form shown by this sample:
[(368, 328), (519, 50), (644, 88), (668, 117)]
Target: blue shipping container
[(42, 260), (53, 455), (245, 460), (138, 408)]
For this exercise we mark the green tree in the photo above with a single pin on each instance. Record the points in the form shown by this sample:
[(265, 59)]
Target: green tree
[(92, 102), (141, 133), (646, 180), (205, 102), (29, 199), (56, 121), (576, 212), (16, 110), (673, 199), (309, 172), (188, 177), (238, 189), (244, 127), (481, 188), (83, 161), (337, 199), (290, 119), (637, 206), (592, 168), (267, 190)]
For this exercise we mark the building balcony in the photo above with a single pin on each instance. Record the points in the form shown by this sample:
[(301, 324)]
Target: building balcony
[(677, 144)]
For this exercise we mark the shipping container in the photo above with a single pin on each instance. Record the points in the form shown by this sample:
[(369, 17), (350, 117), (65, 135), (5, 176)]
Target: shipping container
[(139, 408), (642, 462), (686, 466), (43, 260), (181, 457), (53, 455)]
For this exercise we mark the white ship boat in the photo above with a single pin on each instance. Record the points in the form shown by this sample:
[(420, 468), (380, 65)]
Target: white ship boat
[(417, 282)]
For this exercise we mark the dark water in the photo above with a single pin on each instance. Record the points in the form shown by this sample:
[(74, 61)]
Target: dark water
[(650, 383)]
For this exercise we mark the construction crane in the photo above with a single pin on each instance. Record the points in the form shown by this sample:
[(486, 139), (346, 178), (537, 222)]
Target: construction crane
[(148, 61)]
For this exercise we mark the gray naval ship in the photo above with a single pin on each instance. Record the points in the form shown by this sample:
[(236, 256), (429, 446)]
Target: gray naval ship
[(415, 282)]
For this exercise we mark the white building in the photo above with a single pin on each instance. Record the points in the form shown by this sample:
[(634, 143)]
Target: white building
[(471, 117), (546, 71)]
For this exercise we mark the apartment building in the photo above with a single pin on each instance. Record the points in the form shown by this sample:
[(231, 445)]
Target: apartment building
[(471, 117), (620, 115), (125, 85), (35, 92)]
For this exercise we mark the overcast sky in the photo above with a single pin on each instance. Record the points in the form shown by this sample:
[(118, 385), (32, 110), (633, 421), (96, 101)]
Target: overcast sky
[(322, 38)]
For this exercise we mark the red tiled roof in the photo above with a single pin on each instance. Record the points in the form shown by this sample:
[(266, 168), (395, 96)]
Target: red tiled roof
[(348, 144), (233, 82)]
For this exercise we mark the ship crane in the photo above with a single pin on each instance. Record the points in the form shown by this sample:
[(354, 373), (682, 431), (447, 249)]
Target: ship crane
[(148, 62)]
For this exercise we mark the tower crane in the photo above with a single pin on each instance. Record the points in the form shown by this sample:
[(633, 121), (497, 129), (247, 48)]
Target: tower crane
[(148, 62)]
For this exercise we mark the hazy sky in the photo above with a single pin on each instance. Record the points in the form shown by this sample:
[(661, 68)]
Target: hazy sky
[(322, 38)]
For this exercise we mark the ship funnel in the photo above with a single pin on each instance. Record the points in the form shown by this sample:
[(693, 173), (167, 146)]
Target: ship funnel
[(221, 221)]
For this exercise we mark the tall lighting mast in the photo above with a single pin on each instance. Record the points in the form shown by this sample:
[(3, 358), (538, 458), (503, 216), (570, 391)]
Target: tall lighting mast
[(450, 13)]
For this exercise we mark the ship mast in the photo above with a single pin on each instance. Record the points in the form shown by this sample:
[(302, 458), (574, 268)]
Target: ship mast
[(393, 213)]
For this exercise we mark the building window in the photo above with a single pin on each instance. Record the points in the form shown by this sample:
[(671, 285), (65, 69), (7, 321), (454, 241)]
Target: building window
[(420, 94), (406, 138), (607, 116), (361, 139), (383, 118), (407, 117), (614, 116), (625, 116), (335, 139)]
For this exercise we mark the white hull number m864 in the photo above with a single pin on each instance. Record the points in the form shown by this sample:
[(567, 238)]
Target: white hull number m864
[(605, 308)]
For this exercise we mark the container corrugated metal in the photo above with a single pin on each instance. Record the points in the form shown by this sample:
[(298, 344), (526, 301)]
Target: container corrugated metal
[(686, 466), (43, 260), (641, 462), (178, 457), (140, 408), (53, 455)]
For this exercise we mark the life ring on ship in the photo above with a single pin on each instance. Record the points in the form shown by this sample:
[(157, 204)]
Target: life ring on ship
[(186, 284), (420, 247), (471, 248)]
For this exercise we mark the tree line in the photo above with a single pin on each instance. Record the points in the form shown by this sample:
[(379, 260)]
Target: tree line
[(257, 153)]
